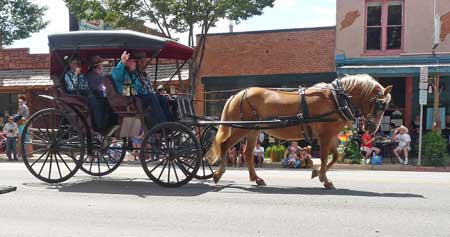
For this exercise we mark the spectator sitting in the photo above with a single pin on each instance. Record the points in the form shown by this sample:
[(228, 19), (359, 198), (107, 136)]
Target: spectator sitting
[(258, 154), (292, 156), (114, 152), (306, 158), (137, 142), (367, 145), (240, 148), (404, 141), (231, 156), (392, 131)]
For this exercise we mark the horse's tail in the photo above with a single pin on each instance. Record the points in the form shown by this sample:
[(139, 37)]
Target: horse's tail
[(222, 135)]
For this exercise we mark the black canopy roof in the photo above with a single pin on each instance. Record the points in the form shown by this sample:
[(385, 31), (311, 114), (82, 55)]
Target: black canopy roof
[(117, 41)]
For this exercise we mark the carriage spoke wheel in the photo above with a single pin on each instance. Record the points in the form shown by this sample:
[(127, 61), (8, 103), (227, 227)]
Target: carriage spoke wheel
[(52, 146), (108, 154), (170, 154), (206, 138)]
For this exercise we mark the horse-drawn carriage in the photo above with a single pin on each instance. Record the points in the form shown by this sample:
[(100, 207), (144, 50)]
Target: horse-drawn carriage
[(64, 138), (172, 153)]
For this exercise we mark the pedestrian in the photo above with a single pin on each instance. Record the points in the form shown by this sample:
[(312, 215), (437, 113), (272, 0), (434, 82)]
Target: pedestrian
[(404, 141), (22, 111), (12, 131)]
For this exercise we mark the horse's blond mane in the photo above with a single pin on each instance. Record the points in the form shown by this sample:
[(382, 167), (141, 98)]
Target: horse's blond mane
[(363, 82)]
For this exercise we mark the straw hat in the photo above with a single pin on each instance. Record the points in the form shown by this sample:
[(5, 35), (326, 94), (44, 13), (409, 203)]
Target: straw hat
[(403, 127)]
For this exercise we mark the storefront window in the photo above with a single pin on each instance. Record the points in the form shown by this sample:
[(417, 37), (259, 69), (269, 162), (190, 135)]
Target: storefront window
[(374, 26), (384, 25)]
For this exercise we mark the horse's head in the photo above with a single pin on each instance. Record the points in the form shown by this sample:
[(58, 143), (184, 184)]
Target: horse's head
[(370, 97)]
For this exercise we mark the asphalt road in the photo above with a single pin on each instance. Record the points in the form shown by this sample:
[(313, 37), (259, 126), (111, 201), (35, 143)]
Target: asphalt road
[(126, 203)]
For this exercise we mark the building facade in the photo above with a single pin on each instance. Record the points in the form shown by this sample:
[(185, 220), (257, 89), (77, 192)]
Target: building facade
[(22, 74), (277, 58), (391, 40)]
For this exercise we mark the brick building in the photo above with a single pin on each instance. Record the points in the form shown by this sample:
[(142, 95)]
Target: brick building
[(22, 73), (274, 58), (391, 40)]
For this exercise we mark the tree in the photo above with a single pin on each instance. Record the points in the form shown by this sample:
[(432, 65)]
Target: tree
[(18, 19), (171, 16)]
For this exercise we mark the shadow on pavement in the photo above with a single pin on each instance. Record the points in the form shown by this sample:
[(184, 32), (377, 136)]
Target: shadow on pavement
[(313, 191), (128, 187), (145, 188)]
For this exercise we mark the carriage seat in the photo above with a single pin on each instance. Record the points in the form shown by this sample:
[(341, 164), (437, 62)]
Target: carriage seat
[(126, 105), (186, 108)]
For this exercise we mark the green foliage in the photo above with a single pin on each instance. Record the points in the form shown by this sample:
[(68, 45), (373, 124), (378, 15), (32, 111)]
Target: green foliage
[(170, 16), (18, 19), (352, 152), (275, 152), (267, 151), (434, 150)]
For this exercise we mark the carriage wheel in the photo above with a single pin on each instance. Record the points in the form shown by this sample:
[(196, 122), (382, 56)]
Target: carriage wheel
[(170, 154), (207, 135), (108, 154), (56, 146)]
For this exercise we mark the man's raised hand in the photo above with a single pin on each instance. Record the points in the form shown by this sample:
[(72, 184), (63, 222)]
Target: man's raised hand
[(125, 56)]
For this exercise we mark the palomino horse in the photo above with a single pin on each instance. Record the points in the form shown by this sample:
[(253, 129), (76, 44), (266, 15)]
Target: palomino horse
[(364, 97)]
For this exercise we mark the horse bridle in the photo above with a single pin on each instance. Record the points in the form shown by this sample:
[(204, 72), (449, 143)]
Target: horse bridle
[(349, 111)]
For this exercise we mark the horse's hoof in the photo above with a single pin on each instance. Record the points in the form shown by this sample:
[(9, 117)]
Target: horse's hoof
[(314, 174), (216, 178), (329, 185), (260, 182)]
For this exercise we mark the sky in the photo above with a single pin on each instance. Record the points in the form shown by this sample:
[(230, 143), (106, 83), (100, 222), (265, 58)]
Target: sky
[(285, 14)]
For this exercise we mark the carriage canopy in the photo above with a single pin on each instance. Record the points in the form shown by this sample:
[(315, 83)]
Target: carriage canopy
[(113, 43)]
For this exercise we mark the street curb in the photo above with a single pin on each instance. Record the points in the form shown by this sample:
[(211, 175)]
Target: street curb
[(7, 189)]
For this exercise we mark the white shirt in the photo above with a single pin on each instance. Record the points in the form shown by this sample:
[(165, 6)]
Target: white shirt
[(259, 150), (11, 129), (403, 140)]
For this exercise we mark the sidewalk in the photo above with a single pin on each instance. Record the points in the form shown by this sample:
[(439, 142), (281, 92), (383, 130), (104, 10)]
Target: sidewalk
[(386, 166)]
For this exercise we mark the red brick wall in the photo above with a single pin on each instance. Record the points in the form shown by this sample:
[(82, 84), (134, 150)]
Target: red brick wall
[(272, 52), (445, 26), (21, 58)]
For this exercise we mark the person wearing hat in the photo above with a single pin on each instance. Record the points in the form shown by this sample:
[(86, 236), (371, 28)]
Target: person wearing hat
[(130, 70), (404, 141), (102, 115), (75, 82), (94, 76)]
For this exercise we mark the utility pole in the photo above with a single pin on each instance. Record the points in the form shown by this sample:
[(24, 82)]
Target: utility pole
[(436, 117)]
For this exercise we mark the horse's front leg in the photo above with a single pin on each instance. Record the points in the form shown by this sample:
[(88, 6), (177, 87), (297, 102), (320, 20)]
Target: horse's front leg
[(251, 143), (324, 150)]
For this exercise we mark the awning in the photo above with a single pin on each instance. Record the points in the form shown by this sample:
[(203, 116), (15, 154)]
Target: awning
[(393, 70), (25, 79)]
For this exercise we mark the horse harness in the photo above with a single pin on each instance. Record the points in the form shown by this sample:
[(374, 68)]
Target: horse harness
[(342, 101)]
